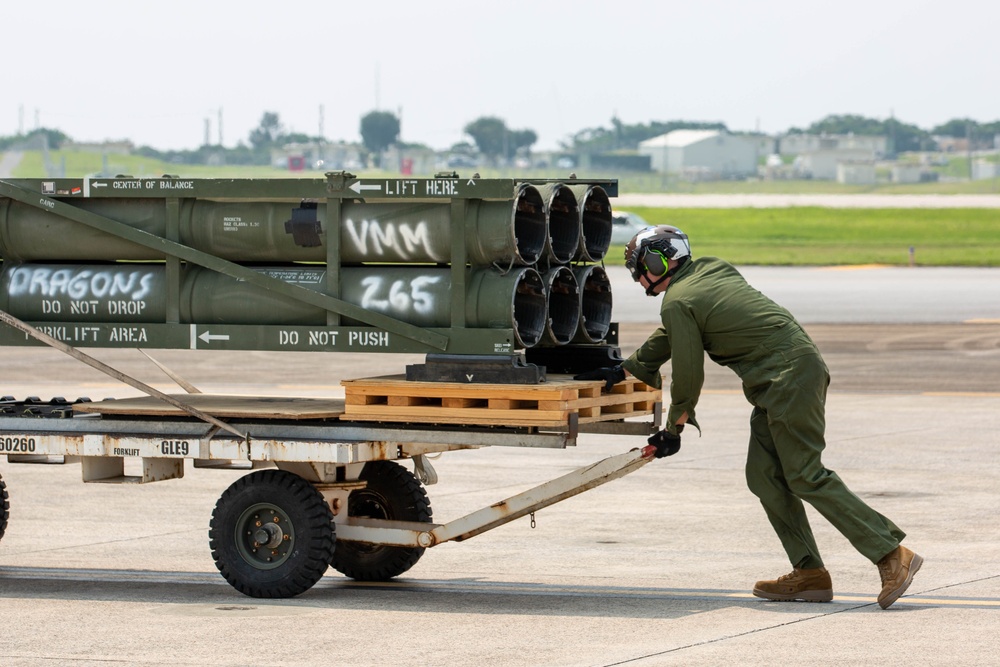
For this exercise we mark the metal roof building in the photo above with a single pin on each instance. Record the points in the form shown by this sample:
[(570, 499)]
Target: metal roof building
[(710, 153)]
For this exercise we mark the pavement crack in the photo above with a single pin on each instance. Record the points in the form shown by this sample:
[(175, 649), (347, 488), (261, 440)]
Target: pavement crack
[(956, 584), (94, 544), (735, 636)]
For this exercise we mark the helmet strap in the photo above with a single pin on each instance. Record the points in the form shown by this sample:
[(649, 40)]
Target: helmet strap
[(651, 288)]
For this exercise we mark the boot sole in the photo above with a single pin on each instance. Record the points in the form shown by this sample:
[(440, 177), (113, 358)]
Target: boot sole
[(898, 593), (802, 596)]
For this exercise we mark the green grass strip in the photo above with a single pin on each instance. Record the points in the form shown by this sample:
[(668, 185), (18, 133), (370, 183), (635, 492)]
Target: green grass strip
[(828, 236)]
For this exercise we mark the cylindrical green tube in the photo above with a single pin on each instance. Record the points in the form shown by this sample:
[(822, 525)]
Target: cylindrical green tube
[(595, 222), (28, 233), (136, 293), (505, 232), (562, 218), (416, 295), (127, 293)]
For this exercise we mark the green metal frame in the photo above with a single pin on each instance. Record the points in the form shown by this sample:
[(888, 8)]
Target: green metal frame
[(389, 335)]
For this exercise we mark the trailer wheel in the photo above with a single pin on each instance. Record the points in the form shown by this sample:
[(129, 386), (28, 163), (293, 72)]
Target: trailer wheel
[(272, 534), (4, 507), (392, 493)]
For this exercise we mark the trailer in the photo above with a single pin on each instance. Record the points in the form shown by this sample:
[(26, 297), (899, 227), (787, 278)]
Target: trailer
[(497, 281)]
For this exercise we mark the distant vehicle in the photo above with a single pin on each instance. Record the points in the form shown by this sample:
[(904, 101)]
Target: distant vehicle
[(625, 225), (461, 161)]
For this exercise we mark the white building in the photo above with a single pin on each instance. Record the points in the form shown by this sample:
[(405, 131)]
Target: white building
[(907, 173), (799, 144), (983, 170), (822, 164), (710, 153), (856, 173)]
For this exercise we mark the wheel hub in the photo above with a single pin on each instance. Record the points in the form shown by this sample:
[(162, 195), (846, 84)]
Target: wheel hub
[(269, 535), (264, 536)]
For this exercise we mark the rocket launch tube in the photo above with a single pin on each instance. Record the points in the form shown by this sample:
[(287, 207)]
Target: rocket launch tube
[(562, 216), (505, 232), (136, 293), (595, 222), (595, 304), (563, 305)]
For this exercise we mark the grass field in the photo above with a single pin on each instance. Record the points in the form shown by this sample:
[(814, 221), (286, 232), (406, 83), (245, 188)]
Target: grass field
[(828, 236)]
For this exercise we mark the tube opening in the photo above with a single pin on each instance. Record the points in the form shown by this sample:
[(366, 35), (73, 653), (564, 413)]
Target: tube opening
[(563, 300), (529, 308), (595, 304), (596, 224), (563, 216), (529, 224)]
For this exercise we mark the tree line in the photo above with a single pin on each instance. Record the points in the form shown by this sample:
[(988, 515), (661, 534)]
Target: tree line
[(496, 142)]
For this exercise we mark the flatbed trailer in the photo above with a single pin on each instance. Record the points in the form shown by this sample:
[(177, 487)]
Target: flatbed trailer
[(321, 490)]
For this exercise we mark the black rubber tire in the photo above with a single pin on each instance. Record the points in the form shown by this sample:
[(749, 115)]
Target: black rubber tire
[(392, 493), (4, 507), (300, 524)]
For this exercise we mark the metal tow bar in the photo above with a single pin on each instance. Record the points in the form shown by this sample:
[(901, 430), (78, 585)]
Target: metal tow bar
[(416, 534)]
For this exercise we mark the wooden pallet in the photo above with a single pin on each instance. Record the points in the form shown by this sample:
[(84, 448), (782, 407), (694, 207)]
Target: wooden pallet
[(550, 404)]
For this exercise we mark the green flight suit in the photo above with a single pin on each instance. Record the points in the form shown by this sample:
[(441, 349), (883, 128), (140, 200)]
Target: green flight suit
[(709, 307)]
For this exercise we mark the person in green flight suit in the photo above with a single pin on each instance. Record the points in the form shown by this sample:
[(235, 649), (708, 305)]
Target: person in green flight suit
[(708, 307)]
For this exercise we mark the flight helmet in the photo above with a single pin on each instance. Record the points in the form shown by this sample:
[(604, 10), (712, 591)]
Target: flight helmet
[(650, 249)]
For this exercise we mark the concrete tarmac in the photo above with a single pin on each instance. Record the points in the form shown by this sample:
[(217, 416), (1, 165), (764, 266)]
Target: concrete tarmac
[(652, 569)]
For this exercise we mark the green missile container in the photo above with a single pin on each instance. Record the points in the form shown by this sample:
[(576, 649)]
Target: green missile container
[(511, 231), (136, 293)]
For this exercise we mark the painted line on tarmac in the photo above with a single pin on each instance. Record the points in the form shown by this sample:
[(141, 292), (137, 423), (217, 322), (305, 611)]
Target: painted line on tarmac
[(982, 320)]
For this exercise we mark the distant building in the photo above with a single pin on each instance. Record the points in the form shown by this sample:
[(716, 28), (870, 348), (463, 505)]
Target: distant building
[(983, 170), (822, 164), (409, 161), (705, 153), (801, 144), (951, 144), (907, 173), (856, 173), (325, 156), (122, 147)]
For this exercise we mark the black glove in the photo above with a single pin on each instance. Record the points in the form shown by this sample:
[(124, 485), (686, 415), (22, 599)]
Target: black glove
[(666, 443), (611, 375)]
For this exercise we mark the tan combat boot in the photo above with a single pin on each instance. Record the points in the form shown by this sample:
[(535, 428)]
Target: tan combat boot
[(897, 569), (812, 585)]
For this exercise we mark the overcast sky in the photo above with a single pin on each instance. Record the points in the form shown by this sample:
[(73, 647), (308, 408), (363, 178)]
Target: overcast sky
[(153, 72)]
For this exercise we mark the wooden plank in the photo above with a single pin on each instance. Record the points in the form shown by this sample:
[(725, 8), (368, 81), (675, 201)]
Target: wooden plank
[(431, 413), (362, 399), (407, 400), (491, 418), (615, 399), (465, 403), (219, 405), (553, 389)]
